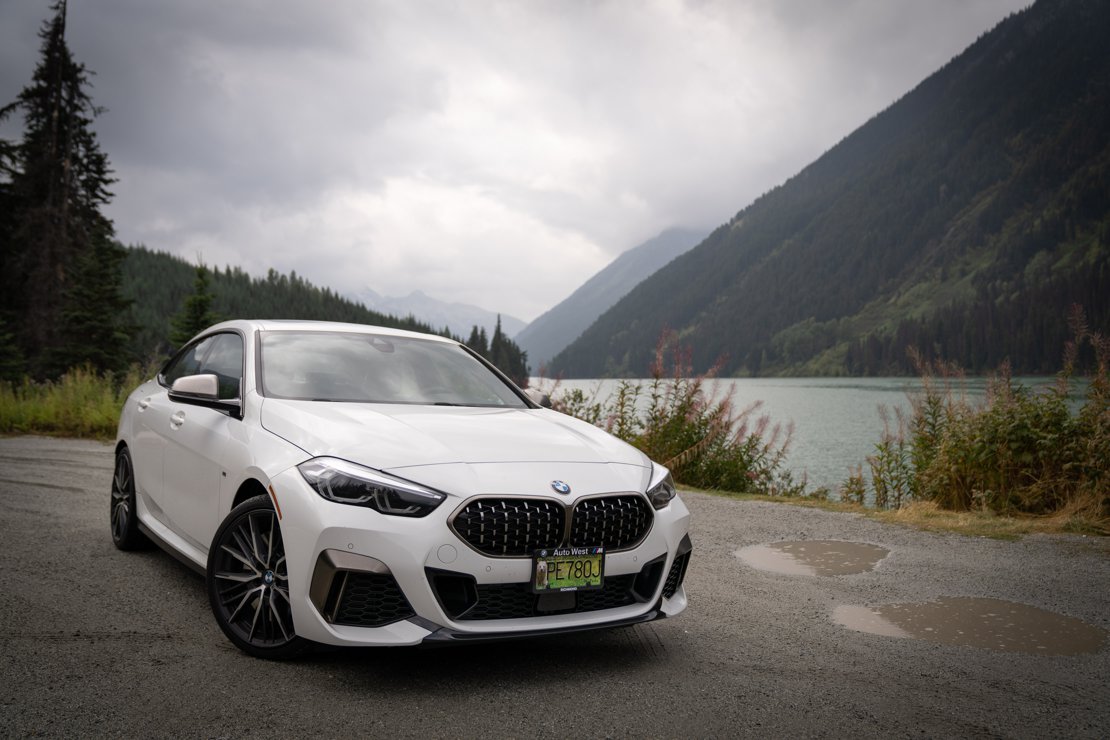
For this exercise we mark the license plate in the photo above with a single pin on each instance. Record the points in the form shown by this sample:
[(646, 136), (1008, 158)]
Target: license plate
[(568, 569)]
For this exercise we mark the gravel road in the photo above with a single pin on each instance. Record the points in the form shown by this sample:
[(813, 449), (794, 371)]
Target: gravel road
[(98, 642)]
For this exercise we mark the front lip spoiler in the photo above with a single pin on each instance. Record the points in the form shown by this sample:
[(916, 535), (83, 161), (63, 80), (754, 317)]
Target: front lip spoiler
[(448, 636)]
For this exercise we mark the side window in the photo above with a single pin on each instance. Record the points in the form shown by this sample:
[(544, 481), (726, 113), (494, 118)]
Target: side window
[(187, 361), (225, 361)]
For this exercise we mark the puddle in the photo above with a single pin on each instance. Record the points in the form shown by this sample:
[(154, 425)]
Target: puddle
[(813, 557), (984, 623)]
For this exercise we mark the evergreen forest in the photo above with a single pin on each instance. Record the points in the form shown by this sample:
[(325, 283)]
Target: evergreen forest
[(172, 300), (71, 296)]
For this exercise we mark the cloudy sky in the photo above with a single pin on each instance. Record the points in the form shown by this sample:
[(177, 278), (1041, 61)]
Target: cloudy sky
[(495, 153)]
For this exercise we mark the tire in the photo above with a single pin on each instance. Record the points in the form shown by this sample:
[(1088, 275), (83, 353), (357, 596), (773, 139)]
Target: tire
[(123, 514), (248, 583)]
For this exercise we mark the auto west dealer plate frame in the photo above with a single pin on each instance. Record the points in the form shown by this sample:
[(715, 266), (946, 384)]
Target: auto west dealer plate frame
[(568, 569)]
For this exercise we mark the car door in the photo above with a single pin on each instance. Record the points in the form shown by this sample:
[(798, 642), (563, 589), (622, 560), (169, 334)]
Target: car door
[(198, 441), (152, 427)]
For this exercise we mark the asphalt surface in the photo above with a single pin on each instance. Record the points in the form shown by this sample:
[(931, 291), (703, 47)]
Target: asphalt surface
[(97, 642)]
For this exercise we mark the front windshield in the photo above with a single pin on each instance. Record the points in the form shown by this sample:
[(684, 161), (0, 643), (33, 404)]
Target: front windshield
[(373, 368)]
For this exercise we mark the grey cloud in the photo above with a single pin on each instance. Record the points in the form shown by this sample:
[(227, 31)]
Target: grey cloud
[(575, 129)]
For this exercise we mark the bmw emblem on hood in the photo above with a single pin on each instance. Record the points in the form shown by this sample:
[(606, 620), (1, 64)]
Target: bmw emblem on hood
[(560, 487)]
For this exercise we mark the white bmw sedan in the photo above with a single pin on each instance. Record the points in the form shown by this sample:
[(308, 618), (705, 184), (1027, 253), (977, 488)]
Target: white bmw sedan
[(354, 485)]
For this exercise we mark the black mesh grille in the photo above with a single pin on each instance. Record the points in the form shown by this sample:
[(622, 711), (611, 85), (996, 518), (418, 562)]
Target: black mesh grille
[(511, 526), (503, 601), (516, 600), (678, 572), (371, 600), (612, 522), (617, 592), (517, 527)]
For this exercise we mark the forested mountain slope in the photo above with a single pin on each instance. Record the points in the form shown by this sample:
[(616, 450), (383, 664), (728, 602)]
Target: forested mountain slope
[(561, 325), (963, 220), (158, 283)]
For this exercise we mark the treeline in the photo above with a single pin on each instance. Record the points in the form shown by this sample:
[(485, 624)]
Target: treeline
[(159, 285), (1024, 328), (502, 352)]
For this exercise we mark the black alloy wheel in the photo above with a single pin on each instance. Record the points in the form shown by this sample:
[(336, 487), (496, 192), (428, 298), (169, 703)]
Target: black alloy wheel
[(248, 582), (124, 517)]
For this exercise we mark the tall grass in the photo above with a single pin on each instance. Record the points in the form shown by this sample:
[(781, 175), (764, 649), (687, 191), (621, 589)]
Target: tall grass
[(82, 403), (1018, 452), (686, 423)]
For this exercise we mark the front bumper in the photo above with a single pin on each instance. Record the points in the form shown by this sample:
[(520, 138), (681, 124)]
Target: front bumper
[(358, 577)]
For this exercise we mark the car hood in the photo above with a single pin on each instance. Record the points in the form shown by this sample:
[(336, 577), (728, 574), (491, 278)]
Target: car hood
[(390, 436)]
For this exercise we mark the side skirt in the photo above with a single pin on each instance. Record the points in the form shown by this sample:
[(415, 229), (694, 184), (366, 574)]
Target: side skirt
[(156, 539)]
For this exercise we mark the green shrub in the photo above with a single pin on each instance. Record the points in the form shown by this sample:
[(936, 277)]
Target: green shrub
[(82, 403), (1020, 451), (892, 471), (854, 488), (685, 423)]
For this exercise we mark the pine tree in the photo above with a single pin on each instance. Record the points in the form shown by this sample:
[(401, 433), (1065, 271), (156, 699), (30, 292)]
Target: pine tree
[(94, 329), (497, 345), (503, 352), (58, 182), (508, 357), (196, 315), (478, 341), (11, 358)]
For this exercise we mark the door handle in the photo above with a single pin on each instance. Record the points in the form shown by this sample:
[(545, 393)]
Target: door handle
[(177, 419), (143, 404)]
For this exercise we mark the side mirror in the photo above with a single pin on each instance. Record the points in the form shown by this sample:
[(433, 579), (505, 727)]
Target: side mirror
[(204, 390), (198, 386), (537, 397)]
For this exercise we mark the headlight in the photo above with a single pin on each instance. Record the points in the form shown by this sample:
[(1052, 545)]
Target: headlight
[(661, 490), (347, 483)]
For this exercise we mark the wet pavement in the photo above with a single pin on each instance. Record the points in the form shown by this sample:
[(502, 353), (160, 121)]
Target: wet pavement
[(814, 558), (992, 624)]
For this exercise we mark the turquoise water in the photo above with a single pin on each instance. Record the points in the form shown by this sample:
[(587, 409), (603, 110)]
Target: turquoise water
[(836, 420)]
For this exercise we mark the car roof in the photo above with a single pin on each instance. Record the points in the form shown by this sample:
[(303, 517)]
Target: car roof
[(252, 325)]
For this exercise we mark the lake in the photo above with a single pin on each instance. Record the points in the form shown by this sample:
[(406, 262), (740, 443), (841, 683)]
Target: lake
[(836, 420)]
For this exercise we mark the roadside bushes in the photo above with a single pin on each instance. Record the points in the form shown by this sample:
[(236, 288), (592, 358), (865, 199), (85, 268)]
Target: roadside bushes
[(81, 403), (683, 422), (1019, 452)]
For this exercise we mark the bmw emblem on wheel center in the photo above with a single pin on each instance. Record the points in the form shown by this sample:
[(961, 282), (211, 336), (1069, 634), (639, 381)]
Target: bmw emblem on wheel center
[(560, 487)]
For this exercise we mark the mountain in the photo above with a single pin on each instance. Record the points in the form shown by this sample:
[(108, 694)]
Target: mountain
[(964, 220), (460, 318), (561, 325)]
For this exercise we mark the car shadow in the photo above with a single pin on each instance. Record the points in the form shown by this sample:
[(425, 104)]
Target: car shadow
[(522, 662)]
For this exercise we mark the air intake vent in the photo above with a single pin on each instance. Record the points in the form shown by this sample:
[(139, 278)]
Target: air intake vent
[(370, 600)]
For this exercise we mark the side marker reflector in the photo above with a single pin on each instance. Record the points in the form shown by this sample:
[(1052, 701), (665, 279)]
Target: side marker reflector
[(277, 506)]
